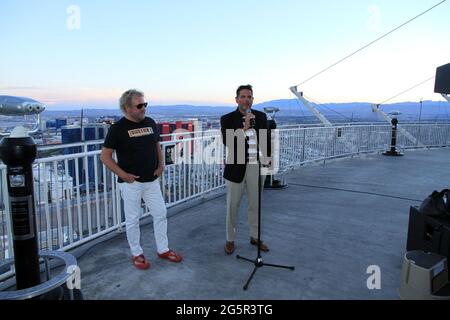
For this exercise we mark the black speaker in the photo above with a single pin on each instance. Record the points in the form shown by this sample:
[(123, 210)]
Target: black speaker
[(442, 83), (429, 234)]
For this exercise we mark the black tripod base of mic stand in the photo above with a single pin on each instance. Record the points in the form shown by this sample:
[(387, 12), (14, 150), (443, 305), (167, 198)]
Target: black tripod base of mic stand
[(258, 264)]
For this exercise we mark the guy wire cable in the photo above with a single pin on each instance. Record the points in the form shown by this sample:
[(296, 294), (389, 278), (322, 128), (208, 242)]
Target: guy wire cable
[(369, 44)]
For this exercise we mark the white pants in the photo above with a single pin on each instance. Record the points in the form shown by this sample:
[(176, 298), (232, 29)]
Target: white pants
[(150, 192), (234, 196)]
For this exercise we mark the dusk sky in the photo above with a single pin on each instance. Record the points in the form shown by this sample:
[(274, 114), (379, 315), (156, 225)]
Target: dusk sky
[(86, 53)]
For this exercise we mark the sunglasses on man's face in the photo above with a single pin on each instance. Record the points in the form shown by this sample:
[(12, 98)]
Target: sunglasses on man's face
[(142, 105)]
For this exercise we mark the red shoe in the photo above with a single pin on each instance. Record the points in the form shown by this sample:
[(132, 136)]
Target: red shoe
[(140, 262), (171, 256)]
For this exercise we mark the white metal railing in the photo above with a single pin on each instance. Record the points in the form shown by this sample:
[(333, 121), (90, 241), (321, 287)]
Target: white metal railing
[(298, 146), (77, 199)]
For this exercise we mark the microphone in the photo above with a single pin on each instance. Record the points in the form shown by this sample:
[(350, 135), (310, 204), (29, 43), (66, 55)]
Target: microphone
[(252, 121)]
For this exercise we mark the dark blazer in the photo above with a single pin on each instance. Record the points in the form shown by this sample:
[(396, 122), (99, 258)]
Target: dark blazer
[(235, 172)]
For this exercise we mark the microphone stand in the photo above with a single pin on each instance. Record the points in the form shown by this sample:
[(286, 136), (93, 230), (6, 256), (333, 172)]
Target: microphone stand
[(258, 262)]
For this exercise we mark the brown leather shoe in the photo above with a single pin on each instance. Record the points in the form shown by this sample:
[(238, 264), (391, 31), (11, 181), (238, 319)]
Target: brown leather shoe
[(229, 247), (262, 245)]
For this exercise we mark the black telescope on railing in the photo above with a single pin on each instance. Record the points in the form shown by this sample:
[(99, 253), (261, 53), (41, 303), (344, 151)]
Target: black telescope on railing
[(18, 152)]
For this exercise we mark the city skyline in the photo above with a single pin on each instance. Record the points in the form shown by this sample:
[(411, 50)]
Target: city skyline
[(85, 54)]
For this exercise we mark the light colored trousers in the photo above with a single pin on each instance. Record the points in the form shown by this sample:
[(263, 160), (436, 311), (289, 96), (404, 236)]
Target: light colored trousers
[(234, 196), (150, 192)]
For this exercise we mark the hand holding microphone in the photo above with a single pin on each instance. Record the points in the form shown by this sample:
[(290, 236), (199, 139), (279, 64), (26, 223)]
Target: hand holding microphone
[(249, 119)]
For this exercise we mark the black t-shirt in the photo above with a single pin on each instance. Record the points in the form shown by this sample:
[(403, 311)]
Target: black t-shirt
[(135, 145)]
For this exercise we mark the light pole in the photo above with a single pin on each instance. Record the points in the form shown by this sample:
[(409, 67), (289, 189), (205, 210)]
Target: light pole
[(420, 112), (420, 119)]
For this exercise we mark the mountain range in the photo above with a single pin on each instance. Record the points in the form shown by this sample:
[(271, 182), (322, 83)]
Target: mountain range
[(287, 107)]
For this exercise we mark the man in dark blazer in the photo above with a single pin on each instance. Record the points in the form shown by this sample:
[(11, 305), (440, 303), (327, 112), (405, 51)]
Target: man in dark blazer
[(245, 134)]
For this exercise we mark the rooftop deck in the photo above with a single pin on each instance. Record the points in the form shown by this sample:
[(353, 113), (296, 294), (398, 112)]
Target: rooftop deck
[(333, 221)]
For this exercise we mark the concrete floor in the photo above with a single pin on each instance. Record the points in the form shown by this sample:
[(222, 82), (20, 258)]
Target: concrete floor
[(332, 222)]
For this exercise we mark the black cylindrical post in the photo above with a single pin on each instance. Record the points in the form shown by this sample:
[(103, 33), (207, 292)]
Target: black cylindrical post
[(394, 135), (393, 150), (18, 152)]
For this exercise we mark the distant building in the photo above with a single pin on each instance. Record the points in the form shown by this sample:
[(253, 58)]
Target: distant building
[(166, 128), (108, 119), (51, 188), (73, 134), (50, 124), (60, 123)]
